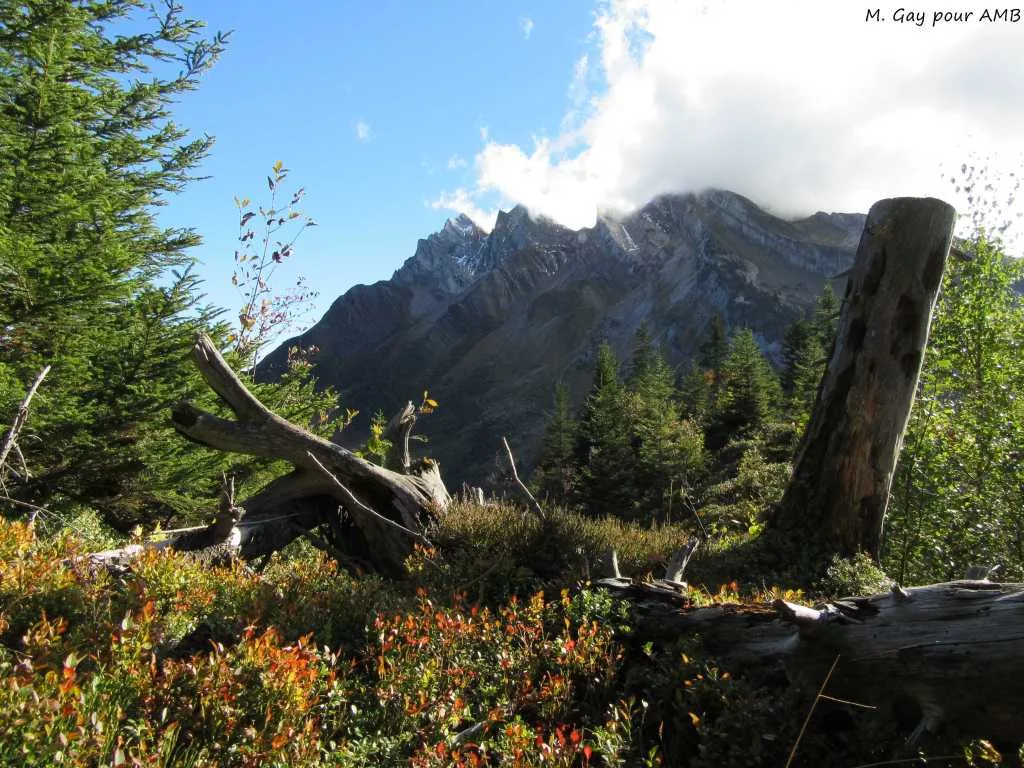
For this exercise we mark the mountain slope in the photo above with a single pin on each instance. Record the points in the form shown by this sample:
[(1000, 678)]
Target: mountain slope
[(490, 322)]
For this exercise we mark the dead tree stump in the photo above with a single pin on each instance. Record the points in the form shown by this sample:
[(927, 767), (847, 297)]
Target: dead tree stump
[(836, 500)]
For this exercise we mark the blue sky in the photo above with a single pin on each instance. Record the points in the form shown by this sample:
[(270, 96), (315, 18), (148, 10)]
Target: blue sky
[(395, 115), (426, 79)]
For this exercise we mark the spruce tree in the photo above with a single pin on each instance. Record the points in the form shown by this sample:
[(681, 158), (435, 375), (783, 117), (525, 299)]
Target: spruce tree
[(96, 287), (668, 450), (556, 469), (826, 317), (643, 354), (695, 392), (655, 449), (794, 344), (803, 367), (750, 392), (603, 449), (715, 347)]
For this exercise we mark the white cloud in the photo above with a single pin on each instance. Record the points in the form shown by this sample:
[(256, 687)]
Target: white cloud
[(526, 26), (460, 201), (455, 162), (362, 130), (801, 106)]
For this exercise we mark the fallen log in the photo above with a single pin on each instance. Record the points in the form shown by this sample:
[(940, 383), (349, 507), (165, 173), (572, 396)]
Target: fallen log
[(330, 485), (375, 515), (216, 543), (948, 656)]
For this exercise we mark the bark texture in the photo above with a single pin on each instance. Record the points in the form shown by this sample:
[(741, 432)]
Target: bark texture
[(941, 656), (843, 471)]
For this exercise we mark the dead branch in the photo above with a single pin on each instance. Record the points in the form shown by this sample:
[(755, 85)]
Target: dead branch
[(532, 503), (10, 440), (399, 431)]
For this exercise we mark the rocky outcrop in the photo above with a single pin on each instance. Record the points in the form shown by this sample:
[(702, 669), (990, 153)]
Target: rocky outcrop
[(489, 322)]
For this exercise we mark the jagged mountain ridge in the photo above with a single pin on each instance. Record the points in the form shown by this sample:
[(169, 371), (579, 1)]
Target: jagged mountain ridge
[(489, 322)]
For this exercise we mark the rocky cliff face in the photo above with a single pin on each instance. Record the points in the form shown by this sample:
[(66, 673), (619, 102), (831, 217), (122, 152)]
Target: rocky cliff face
[(489, 322)]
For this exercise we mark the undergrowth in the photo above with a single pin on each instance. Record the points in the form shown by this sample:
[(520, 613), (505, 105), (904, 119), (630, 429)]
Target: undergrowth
[(492, 651)]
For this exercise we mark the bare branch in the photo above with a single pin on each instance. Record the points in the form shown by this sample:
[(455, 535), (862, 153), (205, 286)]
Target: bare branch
[(354, 503), (677, 564), (532, 502), (224, 382), (803, 728), (19, 421)]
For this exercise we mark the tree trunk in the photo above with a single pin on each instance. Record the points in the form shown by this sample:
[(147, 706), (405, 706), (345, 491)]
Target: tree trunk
[(385, 512), (836, 500)]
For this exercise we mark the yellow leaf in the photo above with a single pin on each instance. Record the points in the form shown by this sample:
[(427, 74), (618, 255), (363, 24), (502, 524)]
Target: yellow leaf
[(695, 719), (432, 403)]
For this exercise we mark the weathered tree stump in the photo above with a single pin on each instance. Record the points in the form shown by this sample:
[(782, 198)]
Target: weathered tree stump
[(836, 500)]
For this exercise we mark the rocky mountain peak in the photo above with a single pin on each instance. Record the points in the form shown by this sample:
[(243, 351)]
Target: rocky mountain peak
[(448, 259), (462, 227), (488, 322)]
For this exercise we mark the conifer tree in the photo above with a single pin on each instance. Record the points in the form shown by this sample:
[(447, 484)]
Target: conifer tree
[(556, 468), (96, 287), (650, 375), (663, 447), (808, 370), (794, 347), (643, 354), (700, 386), (715, 347), (604, 453), (806, 345), (750, 392), (826, 317), (695, 392)]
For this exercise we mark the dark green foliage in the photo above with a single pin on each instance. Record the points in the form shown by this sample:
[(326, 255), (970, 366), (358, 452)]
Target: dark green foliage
[(715, 347), (634, 450), (696, 391), (826, 317), (805, 362), (806, 347), (89, 150), (749, 393), (92, 285), (794, 343), (668, 450), (556, 470), (958, 495), (603, 447)]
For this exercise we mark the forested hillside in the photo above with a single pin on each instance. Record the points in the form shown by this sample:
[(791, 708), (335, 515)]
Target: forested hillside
[(195, 572)]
